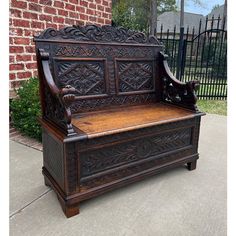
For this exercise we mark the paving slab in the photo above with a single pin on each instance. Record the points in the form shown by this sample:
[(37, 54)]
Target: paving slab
[(26, 182), (174, 203)]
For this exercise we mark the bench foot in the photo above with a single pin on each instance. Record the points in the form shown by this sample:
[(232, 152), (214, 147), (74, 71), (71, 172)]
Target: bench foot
[(46, 182), (192, 165), (69, 210)]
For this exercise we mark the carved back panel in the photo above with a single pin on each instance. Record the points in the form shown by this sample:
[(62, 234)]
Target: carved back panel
[(107, 66)]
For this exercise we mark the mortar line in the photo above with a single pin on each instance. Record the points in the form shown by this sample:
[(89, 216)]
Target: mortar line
[(28, 204)]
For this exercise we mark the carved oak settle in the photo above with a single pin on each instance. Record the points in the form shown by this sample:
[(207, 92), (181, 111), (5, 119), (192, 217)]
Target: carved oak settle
[(112, 112)]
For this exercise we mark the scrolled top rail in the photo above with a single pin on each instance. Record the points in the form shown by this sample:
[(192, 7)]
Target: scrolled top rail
[(105, 33)]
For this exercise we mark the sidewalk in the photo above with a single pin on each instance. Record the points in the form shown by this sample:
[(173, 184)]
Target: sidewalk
[(174, 203)]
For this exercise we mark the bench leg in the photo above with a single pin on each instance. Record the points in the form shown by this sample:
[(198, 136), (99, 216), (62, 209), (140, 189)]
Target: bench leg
[(192, 165), (69, 210)]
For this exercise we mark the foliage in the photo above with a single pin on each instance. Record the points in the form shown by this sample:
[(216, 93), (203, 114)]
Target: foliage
[(136, 15), (213, 106), (213, 54), (25, 109)]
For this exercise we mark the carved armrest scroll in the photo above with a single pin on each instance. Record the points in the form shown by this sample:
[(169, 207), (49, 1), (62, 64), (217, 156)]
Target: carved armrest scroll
[(58, 101), (175, 91)]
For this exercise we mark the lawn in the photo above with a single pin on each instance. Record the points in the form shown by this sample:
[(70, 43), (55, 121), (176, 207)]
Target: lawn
[(213, 106)]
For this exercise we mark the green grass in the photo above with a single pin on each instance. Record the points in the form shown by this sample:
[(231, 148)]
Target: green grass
[(213, 106)]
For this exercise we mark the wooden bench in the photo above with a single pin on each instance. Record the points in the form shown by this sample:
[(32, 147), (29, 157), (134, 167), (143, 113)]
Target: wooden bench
[(112, 112)]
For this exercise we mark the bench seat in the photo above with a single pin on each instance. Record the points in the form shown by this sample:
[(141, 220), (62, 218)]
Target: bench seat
[(121, 119)]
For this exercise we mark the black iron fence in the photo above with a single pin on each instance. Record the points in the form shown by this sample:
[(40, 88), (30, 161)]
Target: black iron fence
[(202, 57)]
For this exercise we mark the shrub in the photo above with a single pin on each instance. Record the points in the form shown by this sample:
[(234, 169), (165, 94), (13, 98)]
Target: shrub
[(25, 109)]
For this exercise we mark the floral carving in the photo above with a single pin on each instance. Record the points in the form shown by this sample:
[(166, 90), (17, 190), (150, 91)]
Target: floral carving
[(104, 158), (95, 33)]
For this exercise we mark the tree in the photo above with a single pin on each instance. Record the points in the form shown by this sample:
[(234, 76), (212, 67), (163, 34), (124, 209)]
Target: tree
[(140, 14)]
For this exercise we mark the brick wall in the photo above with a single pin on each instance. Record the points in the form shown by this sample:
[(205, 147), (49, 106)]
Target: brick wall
[(28, 17)]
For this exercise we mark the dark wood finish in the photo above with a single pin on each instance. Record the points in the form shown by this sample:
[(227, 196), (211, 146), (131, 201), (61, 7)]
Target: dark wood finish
[(112, 112)]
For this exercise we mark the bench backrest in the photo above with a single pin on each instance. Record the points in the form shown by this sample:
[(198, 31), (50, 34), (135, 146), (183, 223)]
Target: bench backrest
[(108, 66)]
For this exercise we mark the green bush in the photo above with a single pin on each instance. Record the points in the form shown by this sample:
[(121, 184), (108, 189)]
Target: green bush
[(25, 109)]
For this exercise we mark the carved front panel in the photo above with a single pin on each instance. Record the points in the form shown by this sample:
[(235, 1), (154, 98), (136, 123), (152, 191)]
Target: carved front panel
[(134, 76), (88, 77), (53, 157), (131, 151)]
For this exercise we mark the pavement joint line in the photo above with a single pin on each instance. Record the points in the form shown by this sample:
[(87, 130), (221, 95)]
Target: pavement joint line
[(28, 204)]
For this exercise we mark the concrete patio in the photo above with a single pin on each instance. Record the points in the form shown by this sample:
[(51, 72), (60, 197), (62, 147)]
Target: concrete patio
[(175, 203)]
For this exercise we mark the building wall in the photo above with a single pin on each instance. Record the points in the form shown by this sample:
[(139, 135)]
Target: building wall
[(29, 17)]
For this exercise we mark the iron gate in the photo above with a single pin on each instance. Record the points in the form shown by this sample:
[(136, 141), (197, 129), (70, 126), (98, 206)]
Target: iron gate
[(203, 56)]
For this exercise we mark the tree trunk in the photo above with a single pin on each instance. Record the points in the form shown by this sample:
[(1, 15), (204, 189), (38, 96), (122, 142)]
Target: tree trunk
[(153, 20)]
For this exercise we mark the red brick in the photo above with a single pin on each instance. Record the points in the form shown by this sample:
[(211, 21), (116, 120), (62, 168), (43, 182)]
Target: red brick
[(16, 49), (107, 22), (45, 17), (11, 59), (107, 9), (16, 84), (50, 10), (100, 8), (28, 32), (24, 75), (12, 76), (80, 22), (101, 20), (21, 23), (80, 9), (46, 2), (35, 7), (70, 7), (35, 73), (51, 25), (68, 22), (59, 4), (31, 65), (83, 3), (10, 40), (23, 41), (92, 5), (16, 32), (62, 12), (34, 1), (16, 67), (15, 13), (92, 18), (74, 1), (37, 24), (105, 15), (57, 19), (90, 12), (23, 58), (19, 4), (30, 15), (30, 49), (73, 15), (98, 13), (105, 3), (83, 17), (98, 1)]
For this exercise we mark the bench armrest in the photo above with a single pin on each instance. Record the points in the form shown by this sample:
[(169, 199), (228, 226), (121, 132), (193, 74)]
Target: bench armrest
[(57, 101), (175, 91)]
